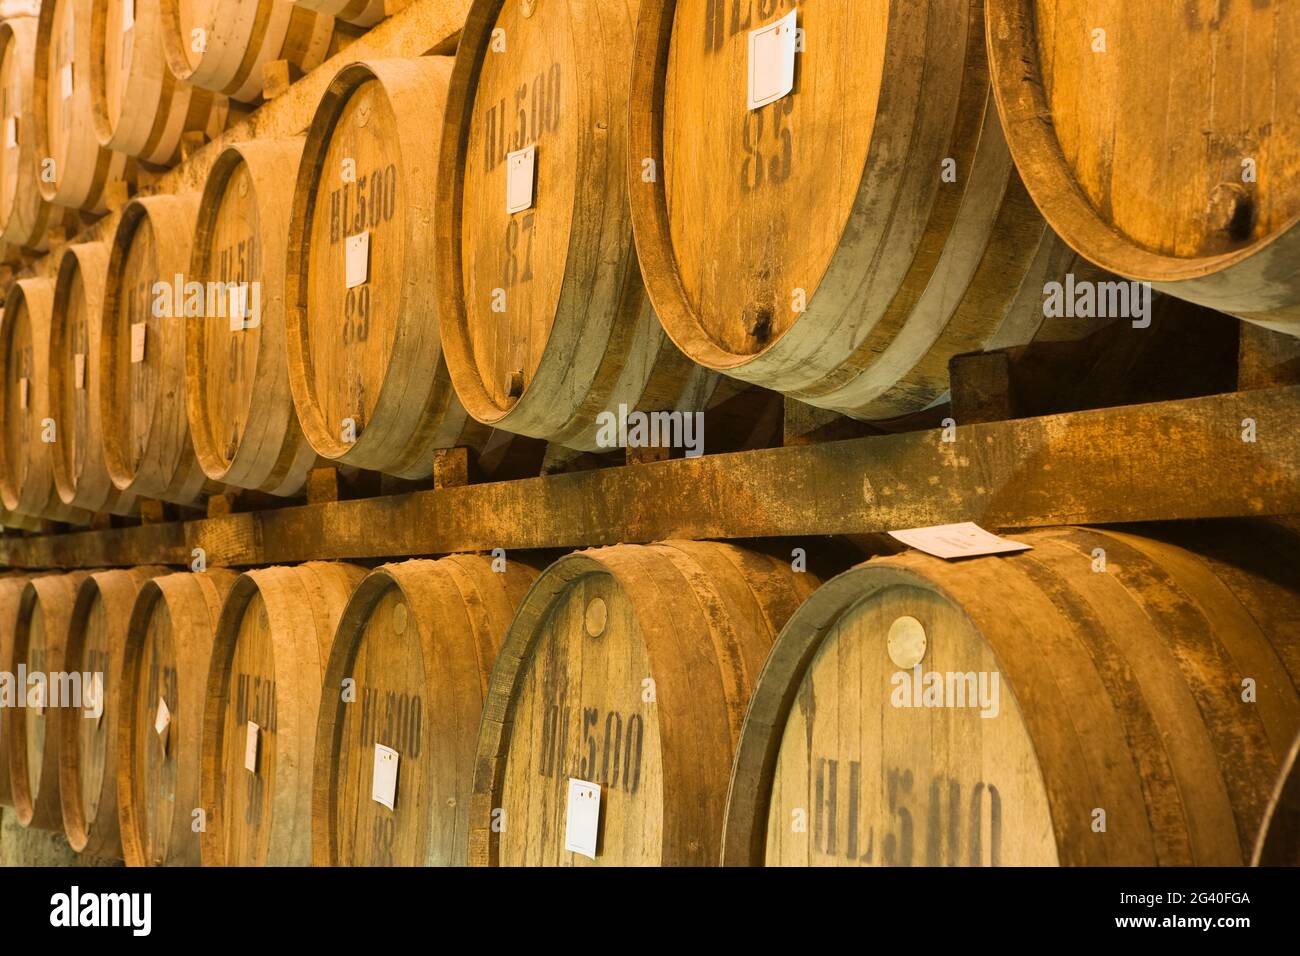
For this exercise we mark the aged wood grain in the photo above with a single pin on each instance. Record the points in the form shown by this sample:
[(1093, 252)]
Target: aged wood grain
[(65, 131), (1121, 688), (87, 752), (409, 670), (25, 215), (138, 106), (629, 667), (27, 443), (268, 660), (845, 283), (1163, 461), (168, 647), (31, 738), (545, 320), (80, 471), (1163, 157), (239, 403)]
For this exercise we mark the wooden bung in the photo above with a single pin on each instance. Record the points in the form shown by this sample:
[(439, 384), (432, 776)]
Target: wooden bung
[(545, 321), (139, 108), (1102, 699), (87, 736), (366, 368), (264, 688), (1146, 137), (80, 472), (409, 671), (159, 738), (25, 217), (240, 407), (848, 284), (28, 435), (222, 45), (11, 593), (628, 667), (79, 168), (147, 444), (31, 733)]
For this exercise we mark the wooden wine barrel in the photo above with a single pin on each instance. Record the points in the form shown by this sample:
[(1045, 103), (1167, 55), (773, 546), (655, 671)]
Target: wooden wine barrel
[(147, 444), (1103, 699), (628, 667), (792, 246), (65, 130), (28, 435), (222, 45), (1144, 139), (139, 107), (31, 733), (367, 365), (87, 746), (272, 644), (361, 13), (11, 593), (545, 321), (417, 641), (165, 669), (1279, 837), (25, 217), (12, 519), (80, 473), (240, 407)]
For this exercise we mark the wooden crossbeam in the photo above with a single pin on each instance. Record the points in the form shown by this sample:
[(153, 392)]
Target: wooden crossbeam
[(1171, 460)]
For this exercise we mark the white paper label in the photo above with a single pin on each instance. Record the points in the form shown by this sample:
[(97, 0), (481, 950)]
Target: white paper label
[(383, 788), (356, 252), (79, 370), (11, 132), (949, 541), (128, 14), (237, 303), (95, 697), (22, 393), (582, 818), (162, 722), (771, 60), (137, 342), (250, 748), (66, 81), (521, 174)]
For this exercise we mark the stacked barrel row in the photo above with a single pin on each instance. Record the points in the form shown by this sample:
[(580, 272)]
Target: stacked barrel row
[(566, 245), (1103, 698)]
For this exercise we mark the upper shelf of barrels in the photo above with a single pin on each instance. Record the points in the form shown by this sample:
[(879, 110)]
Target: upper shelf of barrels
[(397, 274)]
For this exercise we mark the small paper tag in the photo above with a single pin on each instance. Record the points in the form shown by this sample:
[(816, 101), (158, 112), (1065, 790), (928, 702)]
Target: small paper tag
[(95, 697), (22, 393), (383, 787), (11, 132), (356, 251), (128, 14), (162, 722), (66, 80), (771, 60), (521, 175), (138, 330), (237, 305), (582, 818), (967, 540), (79, 370), (250, 748)]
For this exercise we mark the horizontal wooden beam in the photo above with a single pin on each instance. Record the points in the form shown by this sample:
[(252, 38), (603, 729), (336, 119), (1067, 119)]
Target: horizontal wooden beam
[(1231, 455)]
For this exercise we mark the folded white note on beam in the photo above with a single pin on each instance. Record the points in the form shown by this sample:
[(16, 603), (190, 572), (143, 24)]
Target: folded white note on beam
[(965, 540)]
